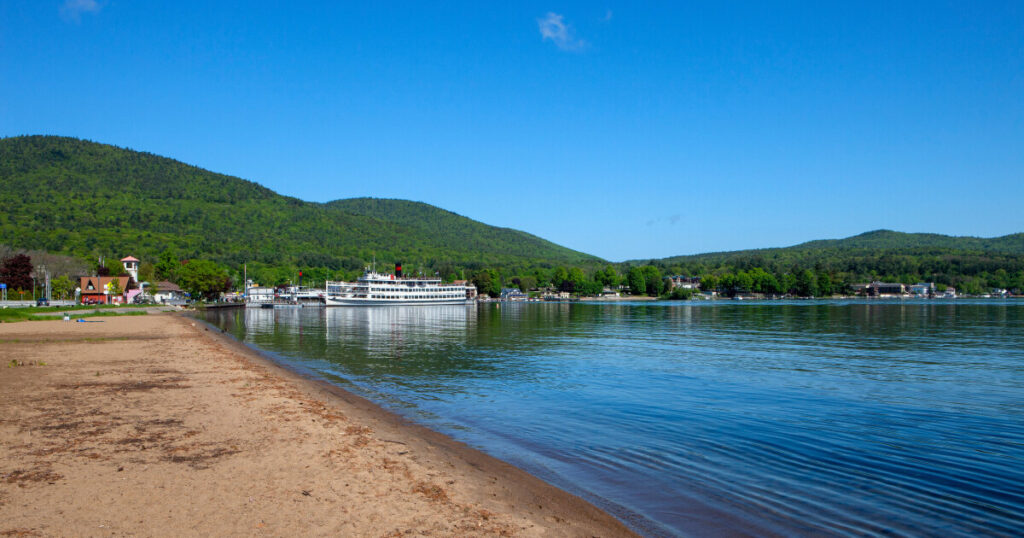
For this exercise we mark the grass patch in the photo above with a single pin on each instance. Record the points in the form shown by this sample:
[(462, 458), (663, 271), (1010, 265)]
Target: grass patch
[(94, 314), (10, 315), (41, 309)]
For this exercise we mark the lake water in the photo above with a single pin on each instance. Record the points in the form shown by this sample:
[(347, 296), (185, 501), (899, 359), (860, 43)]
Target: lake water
[(759, 418)]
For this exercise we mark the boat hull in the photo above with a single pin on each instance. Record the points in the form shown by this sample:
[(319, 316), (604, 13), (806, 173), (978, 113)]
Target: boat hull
[(358, 301)]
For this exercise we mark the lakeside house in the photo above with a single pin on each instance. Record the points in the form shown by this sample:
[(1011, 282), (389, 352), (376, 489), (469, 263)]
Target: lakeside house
[(891, 289), (682, 281), (513, 294), (880, 289), (168, 292), (922, 289), (96, 289)]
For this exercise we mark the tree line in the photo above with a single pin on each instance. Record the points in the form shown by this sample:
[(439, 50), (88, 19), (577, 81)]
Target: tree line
[(208, 279)]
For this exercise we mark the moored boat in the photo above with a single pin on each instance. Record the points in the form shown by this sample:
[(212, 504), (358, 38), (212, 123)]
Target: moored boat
[(377, 289)]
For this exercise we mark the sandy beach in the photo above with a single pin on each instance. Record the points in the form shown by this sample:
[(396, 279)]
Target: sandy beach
[(156, 425)]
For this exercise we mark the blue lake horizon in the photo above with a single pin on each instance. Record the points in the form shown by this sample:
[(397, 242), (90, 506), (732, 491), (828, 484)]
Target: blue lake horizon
[(695, 418)]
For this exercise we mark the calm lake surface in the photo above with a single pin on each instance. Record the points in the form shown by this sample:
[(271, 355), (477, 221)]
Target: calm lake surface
[(761, 418)]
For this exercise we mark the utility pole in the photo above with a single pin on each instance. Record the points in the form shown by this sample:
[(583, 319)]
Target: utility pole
[(46, 282)]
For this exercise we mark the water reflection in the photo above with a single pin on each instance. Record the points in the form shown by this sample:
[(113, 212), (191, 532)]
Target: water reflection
[(809, 417)]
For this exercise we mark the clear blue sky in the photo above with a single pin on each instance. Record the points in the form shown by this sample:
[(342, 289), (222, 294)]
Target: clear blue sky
[(619, 130)]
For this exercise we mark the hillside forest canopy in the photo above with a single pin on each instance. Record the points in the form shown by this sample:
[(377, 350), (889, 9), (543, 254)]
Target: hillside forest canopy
[(76, 207)]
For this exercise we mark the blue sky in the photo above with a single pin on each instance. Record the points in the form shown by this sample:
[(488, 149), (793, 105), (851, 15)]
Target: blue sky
[(620, 130)]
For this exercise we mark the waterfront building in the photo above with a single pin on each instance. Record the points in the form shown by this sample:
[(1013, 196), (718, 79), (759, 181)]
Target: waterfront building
[(879, 289), (168, 292), (923, 290), (97, 289), (513, 294), (682, 281)]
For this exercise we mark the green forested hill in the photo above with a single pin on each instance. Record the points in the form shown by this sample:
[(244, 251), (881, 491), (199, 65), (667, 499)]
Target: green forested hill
[(876, 243), (424, 220), (888, 239), (83, 198), (69, 196), (972, 263)]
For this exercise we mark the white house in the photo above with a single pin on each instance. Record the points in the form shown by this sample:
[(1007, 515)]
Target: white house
[(682, 281), (167, 292), (922, 289), (513, 294)]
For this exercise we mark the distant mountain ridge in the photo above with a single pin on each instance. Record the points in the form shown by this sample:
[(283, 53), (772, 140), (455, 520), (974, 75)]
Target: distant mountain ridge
[(71, 196), (1010, 244), (973, 265), (84, 198), (875, 241)]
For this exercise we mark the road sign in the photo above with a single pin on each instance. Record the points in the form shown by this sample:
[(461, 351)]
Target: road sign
[(3, 286)]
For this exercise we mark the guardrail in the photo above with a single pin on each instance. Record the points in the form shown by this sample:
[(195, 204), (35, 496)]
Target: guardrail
[(22, 304)]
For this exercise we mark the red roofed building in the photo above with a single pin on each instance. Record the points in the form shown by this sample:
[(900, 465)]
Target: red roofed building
[(96, 289)]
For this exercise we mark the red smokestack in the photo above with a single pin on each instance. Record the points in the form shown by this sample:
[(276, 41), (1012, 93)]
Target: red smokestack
[(398, 269)]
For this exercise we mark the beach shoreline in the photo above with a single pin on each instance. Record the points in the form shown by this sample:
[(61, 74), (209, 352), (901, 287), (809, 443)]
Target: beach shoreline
[(162, 425)]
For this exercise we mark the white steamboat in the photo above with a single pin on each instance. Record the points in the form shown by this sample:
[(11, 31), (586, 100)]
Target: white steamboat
[(378, 289)]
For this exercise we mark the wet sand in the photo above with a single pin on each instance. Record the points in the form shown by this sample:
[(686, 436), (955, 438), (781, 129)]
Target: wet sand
[(155, 425)]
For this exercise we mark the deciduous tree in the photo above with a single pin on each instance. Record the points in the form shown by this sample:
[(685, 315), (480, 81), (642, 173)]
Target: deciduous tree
[(806, 284), (607, 276), (636, 281), (203, 279), (16, 272), (166, 265), (487, 282), (114, 287), (653, 283), (62, 286)]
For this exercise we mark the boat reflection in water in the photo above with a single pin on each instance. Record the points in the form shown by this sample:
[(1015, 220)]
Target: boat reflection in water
[(757, 418), (397, 326), (356, 342)]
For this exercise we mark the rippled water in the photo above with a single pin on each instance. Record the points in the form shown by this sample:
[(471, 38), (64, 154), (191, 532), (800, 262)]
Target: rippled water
[(760, 418)]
